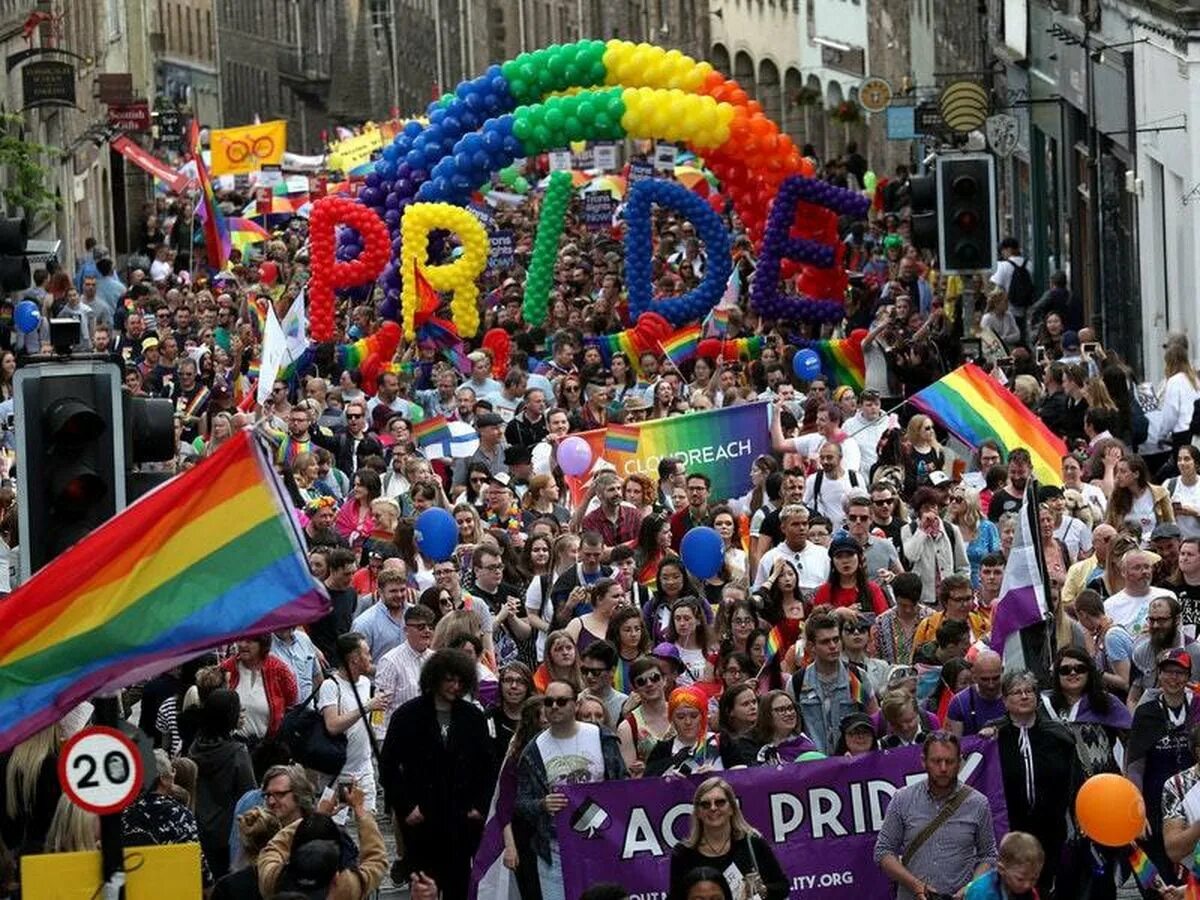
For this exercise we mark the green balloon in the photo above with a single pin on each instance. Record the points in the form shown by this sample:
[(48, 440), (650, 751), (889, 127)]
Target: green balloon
[(870, 181)]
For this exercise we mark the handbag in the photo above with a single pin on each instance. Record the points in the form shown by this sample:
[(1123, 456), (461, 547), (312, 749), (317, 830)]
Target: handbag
[(304, 733)]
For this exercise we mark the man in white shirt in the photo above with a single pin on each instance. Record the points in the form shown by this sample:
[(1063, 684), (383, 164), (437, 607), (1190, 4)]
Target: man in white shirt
[(829, 431), (1130, 608), (811, 561), (398, 674), (826, 492), (864, 429), (343, 714)]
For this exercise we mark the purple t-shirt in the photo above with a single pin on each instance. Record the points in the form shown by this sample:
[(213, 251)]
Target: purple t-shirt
[(973, 710)]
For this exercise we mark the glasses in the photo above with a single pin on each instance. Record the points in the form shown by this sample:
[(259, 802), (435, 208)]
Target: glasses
[(856, 629), (885, 502), (593, 671), (354, 416), (559, 702), (276, 795), (742, 620), (442, 573), (494, 567), (513, 681), (1022, 692), (647, 679), (715, 803), (1072, 670)]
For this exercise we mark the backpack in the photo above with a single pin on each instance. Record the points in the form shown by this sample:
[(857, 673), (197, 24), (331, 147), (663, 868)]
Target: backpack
[(817, 481), (1020, 286)]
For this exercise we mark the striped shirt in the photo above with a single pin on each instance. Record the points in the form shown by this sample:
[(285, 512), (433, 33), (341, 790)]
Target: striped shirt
[(948, 859)]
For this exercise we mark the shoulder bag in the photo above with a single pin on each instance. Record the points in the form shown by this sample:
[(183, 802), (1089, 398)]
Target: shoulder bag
[(304, 733)]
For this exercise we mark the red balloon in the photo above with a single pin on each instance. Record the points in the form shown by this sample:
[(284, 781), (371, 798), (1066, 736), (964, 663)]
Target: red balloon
[(328, 273), (717, 202)]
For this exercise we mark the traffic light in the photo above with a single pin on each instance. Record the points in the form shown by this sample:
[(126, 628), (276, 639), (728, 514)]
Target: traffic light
[(922, 201), (77, 431), (14, 264), (70, 455), (966, 204)]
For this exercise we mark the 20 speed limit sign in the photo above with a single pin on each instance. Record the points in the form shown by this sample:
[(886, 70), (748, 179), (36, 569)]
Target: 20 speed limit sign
[(100, 770)]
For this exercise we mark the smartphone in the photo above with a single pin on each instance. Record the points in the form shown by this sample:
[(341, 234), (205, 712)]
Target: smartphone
[(1039, 354), (1090, 348), (343, 789)]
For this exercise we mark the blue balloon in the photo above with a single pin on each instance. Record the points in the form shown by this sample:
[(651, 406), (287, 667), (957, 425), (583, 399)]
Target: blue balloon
[(701, 550), (27, 316), (437, 534), (806, 364)]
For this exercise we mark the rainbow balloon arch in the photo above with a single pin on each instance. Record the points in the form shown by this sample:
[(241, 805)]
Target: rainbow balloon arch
[(589, 90)]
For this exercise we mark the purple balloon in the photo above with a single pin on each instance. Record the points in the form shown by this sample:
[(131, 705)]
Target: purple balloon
[(574, 455)]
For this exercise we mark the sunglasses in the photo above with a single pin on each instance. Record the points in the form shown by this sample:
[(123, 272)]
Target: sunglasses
[(647, 679), (856, 629), (718, 803), (354, 416), (1072, 670), (593, 671), (560, 702)]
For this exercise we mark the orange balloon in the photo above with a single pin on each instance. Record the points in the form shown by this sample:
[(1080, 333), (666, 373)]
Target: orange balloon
[(1110, 810)]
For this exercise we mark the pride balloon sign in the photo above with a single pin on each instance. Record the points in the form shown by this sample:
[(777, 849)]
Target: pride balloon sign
[(611, 90)]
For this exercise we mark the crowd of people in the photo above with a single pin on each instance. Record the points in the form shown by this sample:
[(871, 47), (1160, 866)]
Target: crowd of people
[(565, 641)]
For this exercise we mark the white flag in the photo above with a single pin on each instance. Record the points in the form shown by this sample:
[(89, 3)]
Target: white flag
[(1023, 591), (294, 327), (274, 353)]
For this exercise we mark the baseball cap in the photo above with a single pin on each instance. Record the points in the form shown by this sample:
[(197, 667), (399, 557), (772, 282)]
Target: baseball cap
[(311, 869), (149, 343), (668, 651), (843, 543), (1176, 657), (937, 478), (857, 720), (1070, 340), (1166, 531)]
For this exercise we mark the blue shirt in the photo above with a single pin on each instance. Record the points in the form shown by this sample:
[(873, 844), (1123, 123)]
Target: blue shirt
[(382, 632), (300, 654)]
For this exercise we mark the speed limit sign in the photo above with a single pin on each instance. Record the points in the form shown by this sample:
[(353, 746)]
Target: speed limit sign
[(100, 770)]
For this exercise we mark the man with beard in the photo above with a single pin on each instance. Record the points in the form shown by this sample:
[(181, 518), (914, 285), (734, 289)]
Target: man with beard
[(1130, 607), (1012, 494), (1164, 631), (1164, 540)]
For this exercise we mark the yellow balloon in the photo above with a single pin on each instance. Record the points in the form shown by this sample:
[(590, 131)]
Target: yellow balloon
[(457, 276)]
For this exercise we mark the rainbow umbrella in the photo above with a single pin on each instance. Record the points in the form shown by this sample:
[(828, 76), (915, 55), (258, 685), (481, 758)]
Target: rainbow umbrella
[(700, 181), (244, 232), (614, 184)]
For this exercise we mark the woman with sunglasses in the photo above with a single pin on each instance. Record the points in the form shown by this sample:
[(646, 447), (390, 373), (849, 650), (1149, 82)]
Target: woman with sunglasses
[(649, 722), (779, 731), (1097, 720), (691, 748), (719, 837), (978, 532)]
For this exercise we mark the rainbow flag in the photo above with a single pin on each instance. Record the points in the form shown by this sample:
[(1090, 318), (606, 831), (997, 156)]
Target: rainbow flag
[(434, 430), (216, 230), (781, 638), (1144, 871), (621, 438), (974, 407), (682, 345), (716, 323), (842, 360), (210, 556)]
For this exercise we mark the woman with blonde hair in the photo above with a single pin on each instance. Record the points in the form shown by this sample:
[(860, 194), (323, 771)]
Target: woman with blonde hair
[(921, 454), (306, 473), (31, 791), (561, 663), (219, 431), (1028, 391), (1095, 392), (72, 830), (981, 535), (999, 319), (719, 837)]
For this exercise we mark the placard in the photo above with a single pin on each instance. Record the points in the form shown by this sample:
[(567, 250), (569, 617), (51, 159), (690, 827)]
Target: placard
[(586, 159), (598, 209), (604, 157), (640, 170), (664, 156), (501, 254), (560, 160)]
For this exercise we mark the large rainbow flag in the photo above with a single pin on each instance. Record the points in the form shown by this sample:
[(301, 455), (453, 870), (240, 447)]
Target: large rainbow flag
[(974, 407), (208, 557)]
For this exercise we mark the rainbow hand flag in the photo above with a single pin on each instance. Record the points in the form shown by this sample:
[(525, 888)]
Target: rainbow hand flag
[(434, 430), (842, 360), (780, 639), (621, 438), (1145, 873), (974, 407), (682, 345), (217, 241), (210, 556)]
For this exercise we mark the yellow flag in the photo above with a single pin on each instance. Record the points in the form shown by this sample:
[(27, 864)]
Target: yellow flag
[(236, 151)]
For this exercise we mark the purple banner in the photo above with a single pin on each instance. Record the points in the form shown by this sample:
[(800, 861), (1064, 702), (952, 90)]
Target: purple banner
[(821, 819)]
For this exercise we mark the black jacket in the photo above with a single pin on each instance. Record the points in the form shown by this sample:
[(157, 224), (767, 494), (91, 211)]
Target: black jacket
[(446, 779), (341, 445)]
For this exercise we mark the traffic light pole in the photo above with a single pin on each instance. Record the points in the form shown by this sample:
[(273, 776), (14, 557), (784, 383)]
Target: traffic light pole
[(112, 839)]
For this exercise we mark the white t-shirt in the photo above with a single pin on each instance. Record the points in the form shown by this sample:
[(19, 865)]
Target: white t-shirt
[(1178, 400), (574, 760), (256, 715), (1188, 496), (1076, 535), (1131, 612), (834, 492), (1142, 515), (809, 446), (338, 693), (812, 563)]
